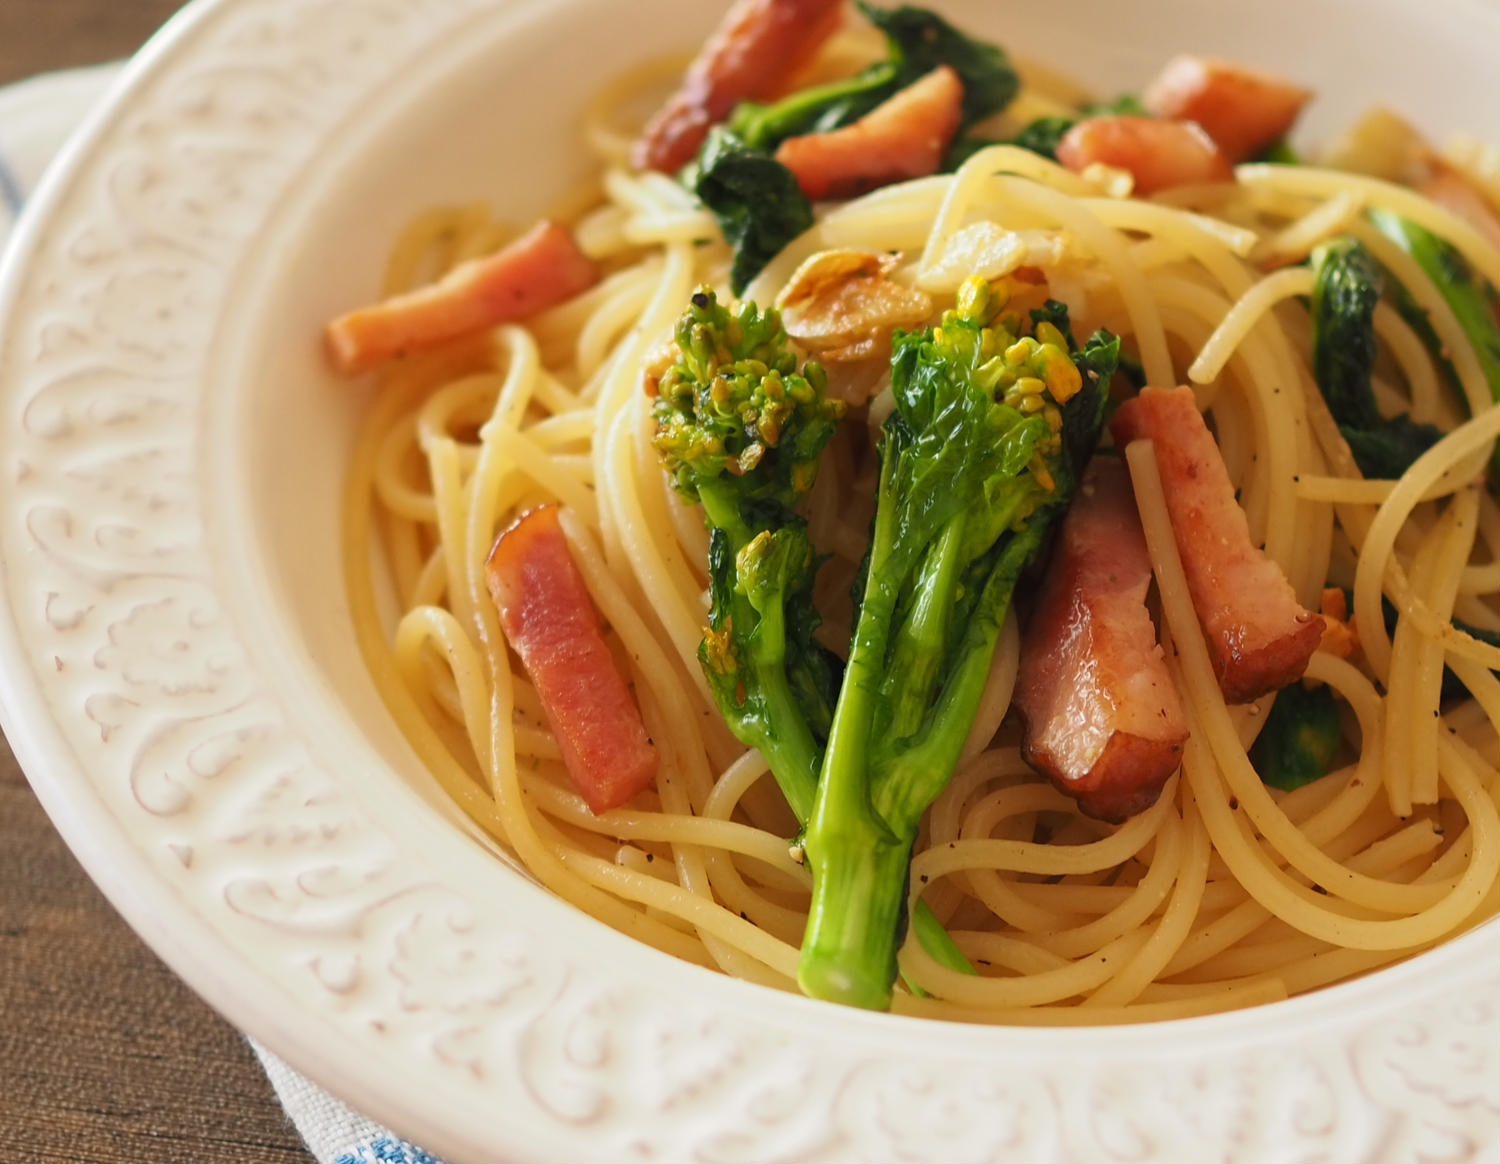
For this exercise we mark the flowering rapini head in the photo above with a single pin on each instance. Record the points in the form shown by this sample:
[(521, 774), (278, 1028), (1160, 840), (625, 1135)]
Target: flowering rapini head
[(1033, 374), (734, 403)]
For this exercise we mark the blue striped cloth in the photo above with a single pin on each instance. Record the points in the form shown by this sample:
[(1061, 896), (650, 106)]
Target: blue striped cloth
[(36, 117), (334, 1132)]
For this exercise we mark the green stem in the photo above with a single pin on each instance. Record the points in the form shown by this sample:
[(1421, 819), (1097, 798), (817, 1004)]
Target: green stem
[(848, 949), (794, 759), (859, 902), (920, 647), (909, 783), (766, 126), (722, 510), (920, 643), (847, 954), (859, 869), (938, 943), (794, 765), (793, 755)]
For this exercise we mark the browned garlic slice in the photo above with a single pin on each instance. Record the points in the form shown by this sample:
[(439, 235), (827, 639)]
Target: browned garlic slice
[(842, 305)]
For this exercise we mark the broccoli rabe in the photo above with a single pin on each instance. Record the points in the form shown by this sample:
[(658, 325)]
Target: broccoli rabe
[(739, 428), (980, 456), (736, 421)]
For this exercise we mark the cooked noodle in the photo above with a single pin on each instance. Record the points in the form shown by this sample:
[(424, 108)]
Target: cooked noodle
[(1226, 893)]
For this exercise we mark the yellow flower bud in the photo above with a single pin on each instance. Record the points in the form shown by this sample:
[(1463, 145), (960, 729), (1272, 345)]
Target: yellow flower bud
[(1062, 376), (1047, 333), (1020, 352)]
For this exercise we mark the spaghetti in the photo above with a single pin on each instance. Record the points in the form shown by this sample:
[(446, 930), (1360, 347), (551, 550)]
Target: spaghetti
[(1226, 893)]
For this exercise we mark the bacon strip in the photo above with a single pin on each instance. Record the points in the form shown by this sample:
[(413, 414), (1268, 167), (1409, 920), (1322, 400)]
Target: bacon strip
[(1259, 636), (755, 51), (1243, 110), (902, 137), (550, 620), (1448, 187), (1158, 154), (1103, 720), (541, 268)]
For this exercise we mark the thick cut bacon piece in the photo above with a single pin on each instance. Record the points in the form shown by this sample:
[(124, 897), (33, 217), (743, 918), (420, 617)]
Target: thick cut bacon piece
[(1243, 110), (1260, 637), (1103, 720), (755, 51), (541, 268), (549, 618), (1158, 154), (903, 137)]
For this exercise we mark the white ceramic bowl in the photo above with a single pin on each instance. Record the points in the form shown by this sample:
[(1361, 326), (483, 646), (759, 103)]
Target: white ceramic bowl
[(180, 680)]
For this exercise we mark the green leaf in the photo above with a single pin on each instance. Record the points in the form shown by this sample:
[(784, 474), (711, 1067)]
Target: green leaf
[(1125, 105), (1055, 313), (1042, 135), (1084, 416), (1343, 314), (1279, 153), (1300, 739), (1344, 297), (755, 199), (920, 40), (1388, 449)]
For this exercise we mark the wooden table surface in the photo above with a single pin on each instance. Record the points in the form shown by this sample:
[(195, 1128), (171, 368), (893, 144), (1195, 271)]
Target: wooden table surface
[(104, 1054)]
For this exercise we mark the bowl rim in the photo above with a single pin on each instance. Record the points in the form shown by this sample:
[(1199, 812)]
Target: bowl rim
[(1444, 993)]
